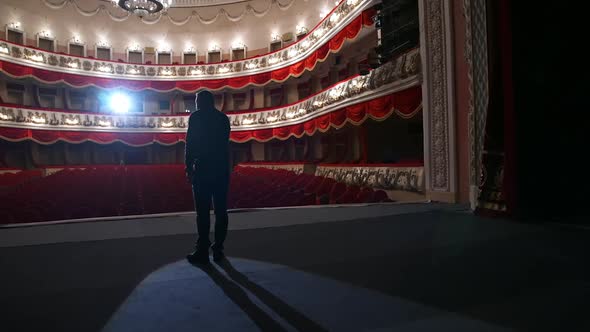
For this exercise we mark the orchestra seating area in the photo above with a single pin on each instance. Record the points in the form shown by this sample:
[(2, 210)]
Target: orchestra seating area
[(107, 191), (285, 188), (15, 178)]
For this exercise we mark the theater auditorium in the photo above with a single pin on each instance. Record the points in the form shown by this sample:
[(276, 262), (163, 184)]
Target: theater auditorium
[(388, 167)]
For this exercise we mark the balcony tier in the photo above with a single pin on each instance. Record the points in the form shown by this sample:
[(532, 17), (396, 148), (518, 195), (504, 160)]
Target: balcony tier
[(392, 88), (344, 23)]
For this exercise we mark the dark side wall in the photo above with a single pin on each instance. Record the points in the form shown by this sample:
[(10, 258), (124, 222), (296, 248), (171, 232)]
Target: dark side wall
[(550, 102)]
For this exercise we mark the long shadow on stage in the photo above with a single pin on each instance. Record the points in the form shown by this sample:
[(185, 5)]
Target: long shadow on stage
[(264, 321), (525, 277), (231, 287), (292, 316)]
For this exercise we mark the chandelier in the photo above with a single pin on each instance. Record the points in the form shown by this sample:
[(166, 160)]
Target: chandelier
[(143, 8)]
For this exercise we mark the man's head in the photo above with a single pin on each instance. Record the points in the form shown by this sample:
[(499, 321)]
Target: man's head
[(205, 101)]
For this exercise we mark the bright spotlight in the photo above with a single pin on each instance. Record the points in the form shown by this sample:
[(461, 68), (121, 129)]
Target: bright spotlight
[(119, 103)]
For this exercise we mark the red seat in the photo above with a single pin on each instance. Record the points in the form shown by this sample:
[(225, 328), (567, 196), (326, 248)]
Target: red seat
[(365, 196), (337, 190), (349, 196), (325, 187), (308, 199), (313, 185), (142, 189), (381, 196)]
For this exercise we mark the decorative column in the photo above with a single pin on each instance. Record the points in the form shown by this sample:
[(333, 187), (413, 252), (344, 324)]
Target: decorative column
[(177, 106), (476, 53), (31, 95), (291, 92), (150, 153), (66, 153), (363, 145), (267, 100), (3, 91), (290, 149), (61, 99), (92, 153), (258, 97), (353, 67), (91, 102), (229, 101), (316, 147), (355, 144), (34, 154), (436, 50), (315, 84), (257, 151), (67, 101), (333, 75)]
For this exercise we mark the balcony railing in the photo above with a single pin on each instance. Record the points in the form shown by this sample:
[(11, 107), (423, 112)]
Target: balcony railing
[(402, 73), (339, 18)]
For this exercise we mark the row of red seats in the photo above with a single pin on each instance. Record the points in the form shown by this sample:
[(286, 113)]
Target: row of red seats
[(260, 187), (105, 191), (99, 192), (15, 179)]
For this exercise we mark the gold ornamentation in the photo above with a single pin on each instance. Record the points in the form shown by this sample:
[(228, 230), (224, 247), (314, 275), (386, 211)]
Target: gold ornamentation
[(379, 177)]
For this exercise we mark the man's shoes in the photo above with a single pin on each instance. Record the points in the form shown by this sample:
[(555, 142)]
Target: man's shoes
[(218, 255), (199, 256)]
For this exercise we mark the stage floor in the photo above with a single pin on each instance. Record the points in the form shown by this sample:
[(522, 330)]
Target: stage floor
[(402, 267)]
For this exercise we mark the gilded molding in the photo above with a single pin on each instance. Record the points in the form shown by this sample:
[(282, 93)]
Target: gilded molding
[(399, 74), (407, 178), (328, 28), (118, 15), (438, 90)]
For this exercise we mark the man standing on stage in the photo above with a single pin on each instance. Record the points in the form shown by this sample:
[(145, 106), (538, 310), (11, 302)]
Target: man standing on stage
[(208, 169)]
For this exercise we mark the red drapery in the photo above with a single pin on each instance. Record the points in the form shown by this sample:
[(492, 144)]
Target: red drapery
[(52, 136), (279, 75), (405, 103)]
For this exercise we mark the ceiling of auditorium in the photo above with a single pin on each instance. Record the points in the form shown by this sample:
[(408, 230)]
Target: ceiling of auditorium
[(203, 3), (197, 23)]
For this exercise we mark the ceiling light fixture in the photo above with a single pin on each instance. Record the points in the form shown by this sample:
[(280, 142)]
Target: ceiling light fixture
[(143, 8)]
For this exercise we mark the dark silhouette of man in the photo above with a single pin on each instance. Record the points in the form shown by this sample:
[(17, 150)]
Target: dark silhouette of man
[(207, 169)]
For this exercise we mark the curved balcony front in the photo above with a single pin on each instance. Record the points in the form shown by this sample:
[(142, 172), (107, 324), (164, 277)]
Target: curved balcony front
[(344, 23), (392, 88)]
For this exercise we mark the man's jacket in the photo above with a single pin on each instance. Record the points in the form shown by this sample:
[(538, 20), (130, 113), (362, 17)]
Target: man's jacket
[(207, 144)]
